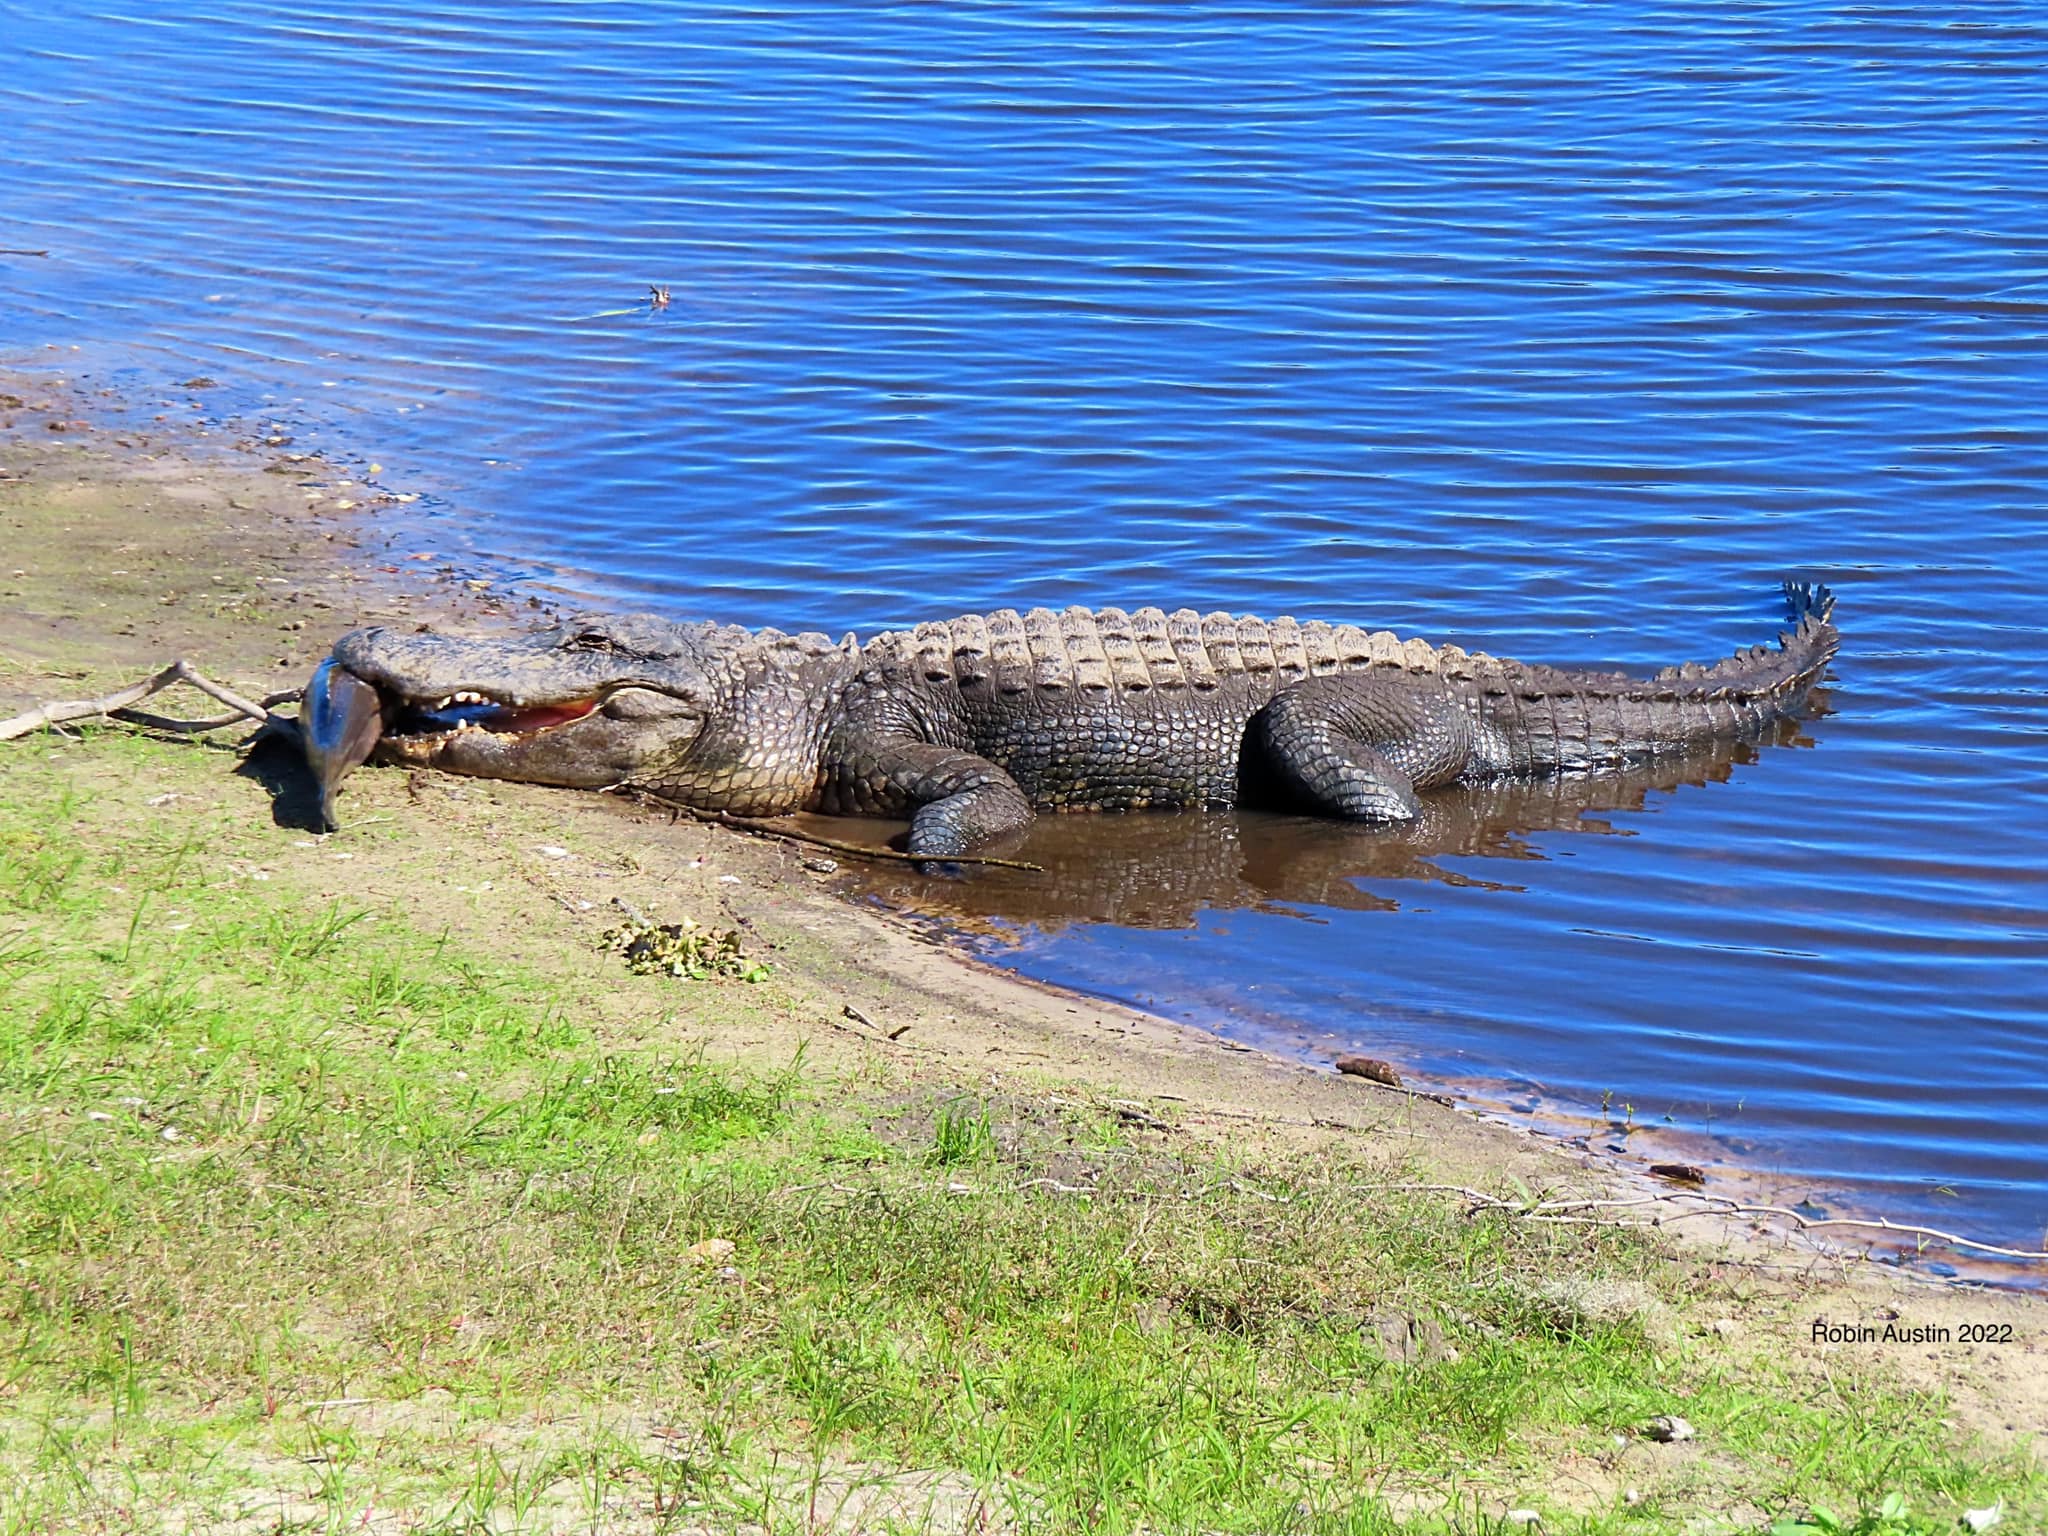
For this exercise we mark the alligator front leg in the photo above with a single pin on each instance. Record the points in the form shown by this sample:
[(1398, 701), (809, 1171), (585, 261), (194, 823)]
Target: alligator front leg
[(957, 801), (1359, 746)]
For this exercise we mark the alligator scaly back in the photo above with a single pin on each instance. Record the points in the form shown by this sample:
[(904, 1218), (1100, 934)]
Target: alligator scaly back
[(1109, 649)]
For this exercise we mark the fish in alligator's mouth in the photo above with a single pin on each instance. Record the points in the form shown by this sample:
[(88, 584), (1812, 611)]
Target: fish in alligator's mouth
[(347, 720), (340, 723)]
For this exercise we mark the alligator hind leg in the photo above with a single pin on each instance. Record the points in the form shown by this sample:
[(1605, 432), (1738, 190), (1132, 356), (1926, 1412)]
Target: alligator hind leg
[(1359, 746), (956, 801)]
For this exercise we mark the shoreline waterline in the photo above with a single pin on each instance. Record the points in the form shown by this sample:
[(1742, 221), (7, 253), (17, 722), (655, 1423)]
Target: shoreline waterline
[(336, 519)]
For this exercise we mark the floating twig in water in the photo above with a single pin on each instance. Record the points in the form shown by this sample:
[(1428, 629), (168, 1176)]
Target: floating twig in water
[(658, 296)]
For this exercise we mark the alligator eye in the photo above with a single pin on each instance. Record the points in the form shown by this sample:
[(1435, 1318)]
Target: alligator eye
[(595, 642)]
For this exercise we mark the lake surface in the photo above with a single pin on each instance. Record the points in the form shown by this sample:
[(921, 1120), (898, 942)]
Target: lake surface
[(1555, 331)]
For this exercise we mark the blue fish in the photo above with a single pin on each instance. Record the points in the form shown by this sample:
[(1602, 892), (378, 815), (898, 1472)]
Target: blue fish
[(339, 723)]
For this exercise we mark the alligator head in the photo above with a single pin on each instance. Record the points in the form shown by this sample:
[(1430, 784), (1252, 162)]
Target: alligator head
[(591, 704)]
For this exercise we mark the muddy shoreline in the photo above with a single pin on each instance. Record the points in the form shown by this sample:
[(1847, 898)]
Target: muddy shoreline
[(219, 541), (131, 541), (142, 542)]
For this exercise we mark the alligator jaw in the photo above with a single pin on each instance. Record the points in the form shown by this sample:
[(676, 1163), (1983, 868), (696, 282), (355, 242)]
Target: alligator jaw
[(413, 722), (346, 719)]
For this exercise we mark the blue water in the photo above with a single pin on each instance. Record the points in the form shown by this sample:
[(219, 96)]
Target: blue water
[(1559, 331)]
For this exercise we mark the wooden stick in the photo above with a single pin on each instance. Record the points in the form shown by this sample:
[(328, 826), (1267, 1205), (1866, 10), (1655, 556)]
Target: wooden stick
[(855, 1014), (1552, 1212), (190, 675), (859, 1034), (772, 829), (1713, 1205), (179, 671), (217, 723), (47, 715), (1725, 1207)]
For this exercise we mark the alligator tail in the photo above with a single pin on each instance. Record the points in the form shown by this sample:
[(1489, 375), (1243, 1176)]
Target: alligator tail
[(1813, 638), (1575, 720), (1767, 674)]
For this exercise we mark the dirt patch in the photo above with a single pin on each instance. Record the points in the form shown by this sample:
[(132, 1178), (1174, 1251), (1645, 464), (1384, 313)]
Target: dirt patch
[(126, 546)]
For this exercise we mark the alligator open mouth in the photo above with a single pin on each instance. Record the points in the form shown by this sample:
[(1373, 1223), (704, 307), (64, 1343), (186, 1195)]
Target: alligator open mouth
[(415, 720), (344, 718)]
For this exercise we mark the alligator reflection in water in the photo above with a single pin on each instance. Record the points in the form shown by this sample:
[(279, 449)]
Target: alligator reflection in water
[(1164, 869)]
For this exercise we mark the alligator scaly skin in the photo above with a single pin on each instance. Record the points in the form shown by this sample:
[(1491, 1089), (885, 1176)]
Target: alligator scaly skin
[(970, 726)]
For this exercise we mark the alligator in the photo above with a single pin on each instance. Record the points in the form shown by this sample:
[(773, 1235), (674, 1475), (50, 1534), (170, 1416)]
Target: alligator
[(970, 726)]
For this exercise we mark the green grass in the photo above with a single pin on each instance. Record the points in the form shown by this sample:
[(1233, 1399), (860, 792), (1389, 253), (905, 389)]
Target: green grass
[(308, 1215)]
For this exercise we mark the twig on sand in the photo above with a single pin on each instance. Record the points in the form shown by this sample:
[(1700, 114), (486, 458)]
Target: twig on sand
[(1566, 1211), (855, 1014), (1711, 1205), (858, 850), (119, 705), (218, 722), (1718, 1205), (862, 1034)]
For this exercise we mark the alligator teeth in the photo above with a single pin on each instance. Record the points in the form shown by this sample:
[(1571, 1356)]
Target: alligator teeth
[(462, 696)]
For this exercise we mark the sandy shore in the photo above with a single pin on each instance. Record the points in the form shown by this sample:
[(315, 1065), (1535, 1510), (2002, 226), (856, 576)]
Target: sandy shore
[(129, 541), (138, 546)]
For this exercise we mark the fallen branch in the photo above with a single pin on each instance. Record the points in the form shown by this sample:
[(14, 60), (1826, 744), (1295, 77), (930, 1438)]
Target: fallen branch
[(1409, 1093), (858, 850), (1058, 1188), (858, 1017), (1545, 1212), (218, 722), (1712, 1205), (119, 704), (1133, 1113), (1721, 1206), (859, 1034)]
